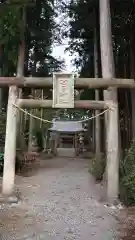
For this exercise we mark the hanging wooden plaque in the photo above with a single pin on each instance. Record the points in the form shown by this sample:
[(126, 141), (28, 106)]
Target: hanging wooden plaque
[(63, 90)]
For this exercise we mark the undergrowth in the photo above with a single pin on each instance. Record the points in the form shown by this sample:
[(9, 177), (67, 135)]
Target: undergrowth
[(39, 137), (127, 176), (97, 168)]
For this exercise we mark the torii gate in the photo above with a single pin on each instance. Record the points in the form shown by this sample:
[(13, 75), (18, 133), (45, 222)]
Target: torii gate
[(15, 83), (65, 101)]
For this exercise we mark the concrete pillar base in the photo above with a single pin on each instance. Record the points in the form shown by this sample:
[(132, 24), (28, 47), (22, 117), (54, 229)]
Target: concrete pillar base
[(14, 198), (8, 199)]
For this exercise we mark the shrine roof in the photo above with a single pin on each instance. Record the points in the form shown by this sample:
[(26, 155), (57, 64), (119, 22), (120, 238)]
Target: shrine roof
[(67, 126)]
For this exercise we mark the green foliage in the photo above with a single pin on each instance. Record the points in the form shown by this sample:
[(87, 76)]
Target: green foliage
[(39, 137), (87, 94), (73, 115), (81, 34), (38, 33), (127, 176), (41, 34), (97, 168), (1, 157)]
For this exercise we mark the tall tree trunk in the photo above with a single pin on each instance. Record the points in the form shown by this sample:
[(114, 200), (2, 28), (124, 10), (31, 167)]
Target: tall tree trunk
[(31, 120), (21, 73), (132, 71), (21, 60), (97, 94), (1, 75), (112, 127)]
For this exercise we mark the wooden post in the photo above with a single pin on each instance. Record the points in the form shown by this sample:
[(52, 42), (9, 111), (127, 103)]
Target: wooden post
[(35, 103), (42, 97), (31, 123), (30, 139), (10, 144), (112, 123), (97, 131), (112, 155), (11, 131), (80, 83), (93, 132)]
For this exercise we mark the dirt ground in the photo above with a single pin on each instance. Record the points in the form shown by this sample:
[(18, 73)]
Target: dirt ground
[(60, 201)]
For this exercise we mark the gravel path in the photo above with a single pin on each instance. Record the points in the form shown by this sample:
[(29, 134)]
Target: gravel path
[(60, 203)]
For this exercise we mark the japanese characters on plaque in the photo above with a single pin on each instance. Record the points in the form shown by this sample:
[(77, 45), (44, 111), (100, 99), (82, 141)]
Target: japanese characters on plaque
[(63, 91)]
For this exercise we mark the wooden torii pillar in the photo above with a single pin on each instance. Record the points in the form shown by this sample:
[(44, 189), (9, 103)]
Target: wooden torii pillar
[(11, 124), (11, 132)]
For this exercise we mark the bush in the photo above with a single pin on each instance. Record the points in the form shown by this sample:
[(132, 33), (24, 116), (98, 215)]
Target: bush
[(39, 137), (127, 176), (97, 168)]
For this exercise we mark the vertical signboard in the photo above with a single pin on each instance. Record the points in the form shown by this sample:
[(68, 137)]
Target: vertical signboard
[(63, 90)]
